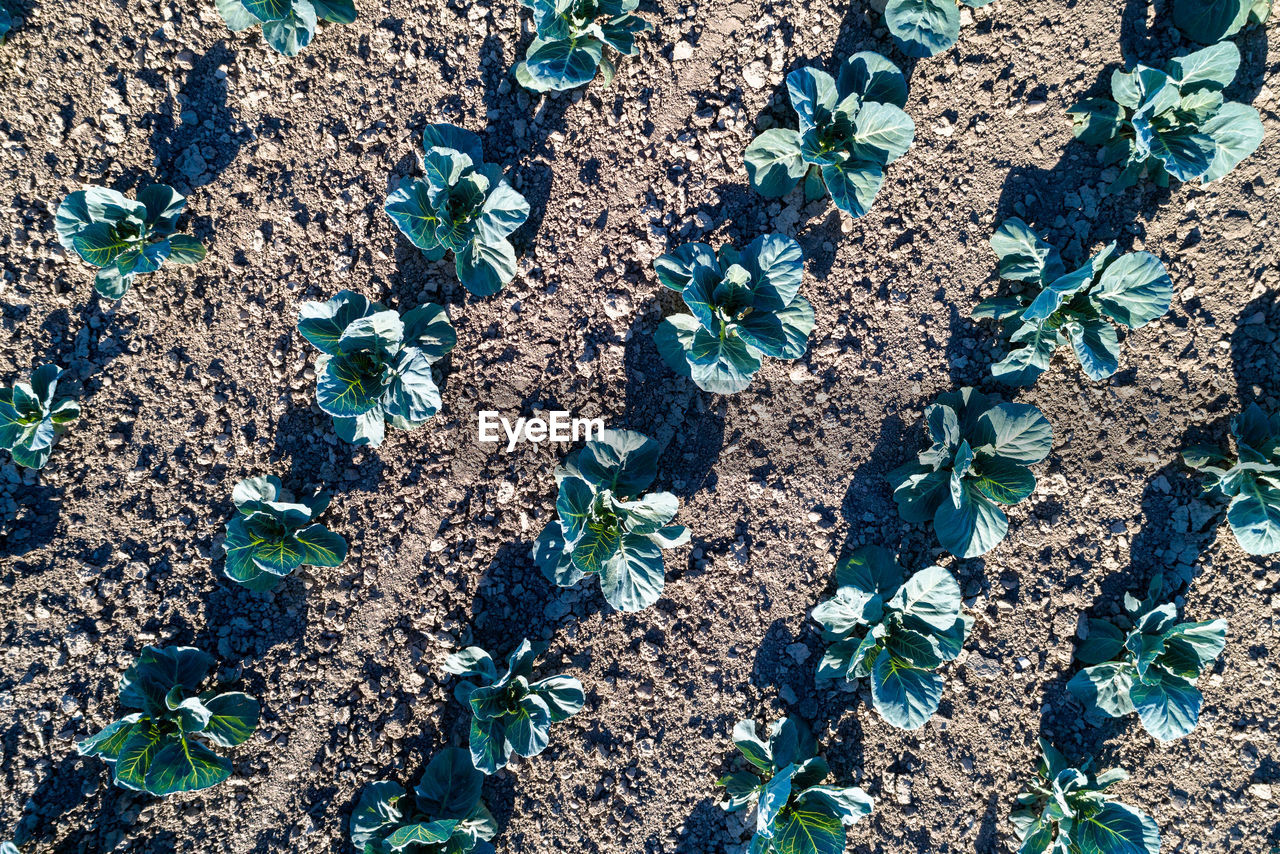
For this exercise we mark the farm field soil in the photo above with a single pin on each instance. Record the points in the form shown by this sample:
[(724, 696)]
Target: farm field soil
[(197, 378)]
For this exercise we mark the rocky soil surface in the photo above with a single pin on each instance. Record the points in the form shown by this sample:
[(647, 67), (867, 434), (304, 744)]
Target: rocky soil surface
[(198, 378)]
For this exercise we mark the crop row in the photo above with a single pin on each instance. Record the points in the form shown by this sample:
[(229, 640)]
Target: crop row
[(378, 367)]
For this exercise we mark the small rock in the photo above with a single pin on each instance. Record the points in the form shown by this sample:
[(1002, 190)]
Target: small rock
[(1261, 791), (682, 51)]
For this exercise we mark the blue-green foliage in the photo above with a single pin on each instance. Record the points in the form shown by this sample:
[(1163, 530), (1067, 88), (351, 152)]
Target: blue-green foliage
[(287, 25), (850, 127), (1149, 665), (795, 813), (1250, 480), (572, 37), (444, 815), (977, 461), (1172, 122), (464, 206), (510, 713), (746, 305), (1066, 810), (160, 749), (375, 367), (925, 27), (1211, 21), (32, 417), (606, 526), (124, 237), (6, 24), (272, 534), (1081, 308), (894, 630)]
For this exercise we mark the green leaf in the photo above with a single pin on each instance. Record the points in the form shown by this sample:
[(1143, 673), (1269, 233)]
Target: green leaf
[(185, 249), (139, 750), (1105, 687), (808, 829), (923, 27), (278, 557), (1096, 121), (1017, 432), (268, 10), (293, 32), (410, 209), (1199, 642), (1236, 131), (335, 11), (597, 545), (1168, 705), (1023, 255), (451, 785), (873, 78), (108, 741), (633, 577), (376, 810), (1024, 365), (774, 164), (871, 569), (751, 746), (1117, 829), (1210, 21), (847, 804), (1096, 346), (322, 323), (561, 64), (905, 696), (973, 528), (563, 696), (623, 461), (1104, 643), (1254, 516), (233, 718), (349, 385), (721, 365), (846, 611), (99, 244), (421, 833), (881, 133), (573, 506), (853, 186), (1002, 481), (650, 513), (320, 546), (931, 596), (489, 747), (1211, 68), (529, 728), (427, 329), (485, 265), (1134, 290)]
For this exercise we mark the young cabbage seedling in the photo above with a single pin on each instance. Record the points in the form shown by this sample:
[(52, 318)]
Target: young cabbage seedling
[(444, 815), (746, 305), (606, 526), (6, 24), (510, 714), (1251, 479), (32, 417), (977, 462), (124, 237), (795, 813), (160, 750), (1211, 21), (572, 36), (895, 630), (287, 25), (1081, 308), (464, 206), (1172, 122), (925, 27), (273, 535), (850, 127), (1067, 810), (1150, 666), (375, 367)]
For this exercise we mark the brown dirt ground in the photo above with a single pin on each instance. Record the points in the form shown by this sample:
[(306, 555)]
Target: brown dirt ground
[(197, 379)]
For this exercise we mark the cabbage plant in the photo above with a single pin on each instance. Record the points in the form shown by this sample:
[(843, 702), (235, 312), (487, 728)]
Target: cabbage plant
[(850, 127), (795, 813), (1211, 21), (1172, 122), (606, 525), (1250, 479), (443, 815), (510, 713), (925, 27), (746, 305), (6, 24), (1082, 308), (125, 237), (375, 364), (32, 417), (894, 630), (464, 206), (287, 25), (572, 39), (977, 461), (1067, 810), (272, 534), (161, 748), (1149, 666)]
